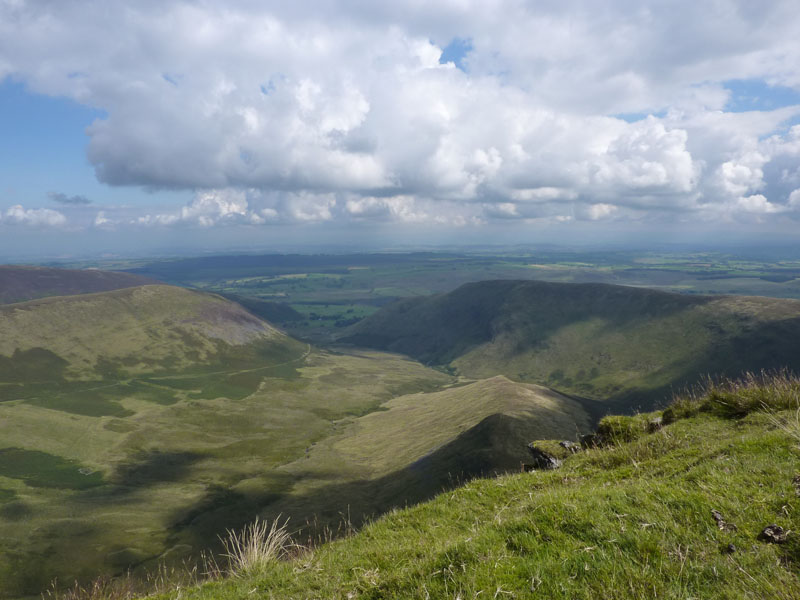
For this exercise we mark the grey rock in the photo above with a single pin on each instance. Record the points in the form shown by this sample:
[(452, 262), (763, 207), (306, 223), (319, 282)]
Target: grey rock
[(570, 447), (721, 522), (541, 459), (773, 534)]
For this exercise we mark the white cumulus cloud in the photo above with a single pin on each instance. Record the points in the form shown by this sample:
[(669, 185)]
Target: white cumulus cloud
[(272, 112), (33, 217)]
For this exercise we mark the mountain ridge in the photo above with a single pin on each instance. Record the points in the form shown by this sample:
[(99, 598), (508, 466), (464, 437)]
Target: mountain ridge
[(619, 344), (23, 283), (697, 506), (130, 331)]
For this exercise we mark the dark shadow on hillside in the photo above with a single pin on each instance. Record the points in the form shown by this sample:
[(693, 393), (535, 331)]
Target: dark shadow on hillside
[(34, 364), (769, 346), (441, 328), (147, 468), (496, 445)]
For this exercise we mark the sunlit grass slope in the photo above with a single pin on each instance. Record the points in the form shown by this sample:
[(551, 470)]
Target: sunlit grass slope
[(416, 445), (623, 344), (410, 428), (632, 519), (138, 424)]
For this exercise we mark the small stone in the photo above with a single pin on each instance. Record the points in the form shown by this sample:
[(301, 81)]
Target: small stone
[(721, 522), (796, 484), (773, 534), (655, 424), (570, 447), (542, 460), (729, 549)]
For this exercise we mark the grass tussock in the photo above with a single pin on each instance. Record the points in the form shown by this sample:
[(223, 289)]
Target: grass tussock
[(736, 398), (619, 429), (254, 549)]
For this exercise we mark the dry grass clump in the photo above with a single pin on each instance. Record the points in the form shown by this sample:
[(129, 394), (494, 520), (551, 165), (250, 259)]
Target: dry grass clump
[(253, 549)]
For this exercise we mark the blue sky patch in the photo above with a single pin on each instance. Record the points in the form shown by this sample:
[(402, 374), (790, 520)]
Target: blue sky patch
[(633, 117), (43, 151), (455, 52), (757, 94)]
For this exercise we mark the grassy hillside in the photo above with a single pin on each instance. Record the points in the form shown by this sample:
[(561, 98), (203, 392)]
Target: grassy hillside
[(415, 445), (274, 312), (179, 414), (627, 346), (154, 468), (409, 428), (631, 519), (18, 284), (133, 331)]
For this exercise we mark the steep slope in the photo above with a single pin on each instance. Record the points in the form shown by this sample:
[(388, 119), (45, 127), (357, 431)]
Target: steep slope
[(627, 345), (676, 513), (409, 429), (418, 444), (19, 284), (132, 331), (409, 449), (184, 413)]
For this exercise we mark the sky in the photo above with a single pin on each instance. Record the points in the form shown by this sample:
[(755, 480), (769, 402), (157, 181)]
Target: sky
[(159, 125)]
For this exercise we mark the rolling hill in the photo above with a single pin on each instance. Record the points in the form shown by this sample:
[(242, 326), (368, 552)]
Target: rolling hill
[(137, 424), (410, 429), (21, 283), (132, 331), (625, 346)]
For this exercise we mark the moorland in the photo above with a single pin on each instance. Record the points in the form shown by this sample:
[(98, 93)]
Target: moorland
[(144, 412)]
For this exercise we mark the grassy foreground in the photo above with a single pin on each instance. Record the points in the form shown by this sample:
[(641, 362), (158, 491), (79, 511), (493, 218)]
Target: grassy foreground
[(630, 519)]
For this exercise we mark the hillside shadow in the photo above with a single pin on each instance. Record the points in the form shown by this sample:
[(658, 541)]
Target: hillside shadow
[(496, 445), (152, 467), (439, 329), (770, 346)]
